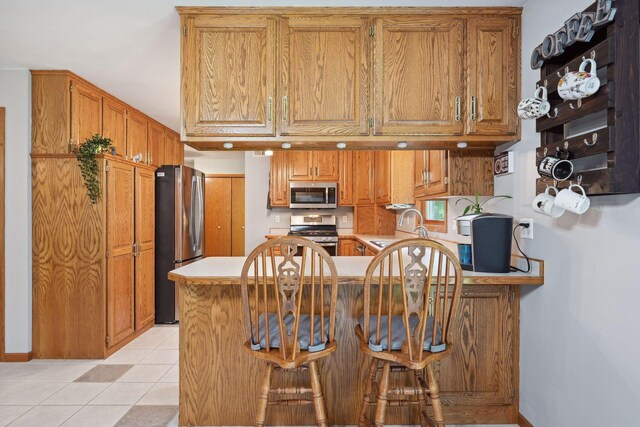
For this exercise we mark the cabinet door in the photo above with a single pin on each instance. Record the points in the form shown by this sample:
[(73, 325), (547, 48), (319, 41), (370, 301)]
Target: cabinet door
[(145, 247), (170, 146), (324, 75), (345, 178), (493, 52), (120, 259), (237, 216), (86, 112), (279, 179), (156, 145), (436, 175), (217, 217), (325, 166), (114, 125), (229, 75), (347, 247), (179, 153), (418, 75), (363, 183), (301, 165), (421, 162), (382, 176), (136, 135)]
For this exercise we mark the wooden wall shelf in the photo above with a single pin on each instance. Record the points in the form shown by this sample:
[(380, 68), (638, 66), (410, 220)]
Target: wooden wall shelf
[(607, 156)]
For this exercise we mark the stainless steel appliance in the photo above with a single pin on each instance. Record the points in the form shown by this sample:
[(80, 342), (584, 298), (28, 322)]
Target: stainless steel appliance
[(179, 231), (313, 195), (490, 248), (320, 229)]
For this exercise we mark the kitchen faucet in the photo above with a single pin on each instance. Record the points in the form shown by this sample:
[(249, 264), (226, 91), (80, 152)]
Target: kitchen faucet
[(421, 229)]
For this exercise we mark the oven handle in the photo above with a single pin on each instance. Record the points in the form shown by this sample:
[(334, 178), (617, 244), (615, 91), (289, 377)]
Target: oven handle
[(327, 244)]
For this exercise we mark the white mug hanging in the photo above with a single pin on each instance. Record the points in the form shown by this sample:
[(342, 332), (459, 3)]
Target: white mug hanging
[(579, 84), (572, 201), (536, 106)]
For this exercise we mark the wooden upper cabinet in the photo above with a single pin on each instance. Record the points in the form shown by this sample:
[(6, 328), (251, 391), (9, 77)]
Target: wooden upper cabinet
[(229, 75), (382, 162), (179, 153), (86, 112), (170, 147), (453, 173), (120, 247), (156, 144), (300, 165), (145, 247), (363, 178), (345, 178), (114, 125), (136, 135), (326, 166), (324, 75), (418, 75), (279, 179), (493, 58)]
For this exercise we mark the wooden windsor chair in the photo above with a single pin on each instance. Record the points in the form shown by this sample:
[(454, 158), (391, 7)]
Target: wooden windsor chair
[(414, 282), (289, 315)]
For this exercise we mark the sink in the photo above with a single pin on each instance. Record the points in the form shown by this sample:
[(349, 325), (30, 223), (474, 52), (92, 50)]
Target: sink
[(381, 243)]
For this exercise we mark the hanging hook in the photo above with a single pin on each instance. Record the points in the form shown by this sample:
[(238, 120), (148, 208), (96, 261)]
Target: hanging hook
[(558, 74), (555, 183), (579, 179), (594, 139), (545, 83), (579, 105), (545, 151), (566, 145), (555, 110), (593, 54)]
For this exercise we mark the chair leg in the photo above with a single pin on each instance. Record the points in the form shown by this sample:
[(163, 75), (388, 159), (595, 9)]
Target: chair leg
[(434, 394), (422, 407), (383, 387), (363, 421), (263, 401), (318, 397)]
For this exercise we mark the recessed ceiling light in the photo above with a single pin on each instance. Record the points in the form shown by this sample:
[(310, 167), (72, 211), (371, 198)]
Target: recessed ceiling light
[(402, 144), (228, 145), (286, 145), (268, 152), (341, 145), (461, 145)]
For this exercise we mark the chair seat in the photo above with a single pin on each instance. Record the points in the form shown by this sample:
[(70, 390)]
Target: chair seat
[(304, 332), (398, 333)]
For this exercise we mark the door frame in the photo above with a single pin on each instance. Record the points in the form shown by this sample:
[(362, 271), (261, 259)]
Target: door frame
[(2, 271)]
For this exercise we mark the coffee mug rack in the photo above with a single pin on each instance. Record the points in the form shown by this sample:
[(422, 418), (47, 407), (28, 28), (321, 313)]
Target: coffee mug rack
[(616, 145)]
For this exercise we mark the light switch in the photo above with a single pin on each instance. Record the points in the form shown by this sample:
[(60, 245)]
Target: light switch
[(277, 218), (345, 218)]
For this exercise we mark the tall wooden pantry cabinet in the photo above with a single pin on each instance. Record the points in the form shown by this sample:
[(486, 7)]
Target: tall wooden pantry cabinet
[(93, 264)]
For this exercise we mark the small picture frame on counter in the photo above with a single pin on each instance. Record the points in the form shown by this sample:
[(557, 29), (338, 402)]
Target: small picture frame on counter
[(503, 163)]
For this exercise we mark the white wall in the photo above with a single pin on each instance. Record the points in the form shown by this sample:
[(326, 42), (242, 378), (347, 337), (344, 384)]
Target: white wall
[(579, 331), (15, 95), (218, 162)]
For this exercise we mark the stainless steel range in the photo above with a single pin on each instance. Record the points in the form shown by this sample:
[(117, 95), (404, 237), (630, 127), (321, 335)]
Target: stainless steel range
[(317, 228)]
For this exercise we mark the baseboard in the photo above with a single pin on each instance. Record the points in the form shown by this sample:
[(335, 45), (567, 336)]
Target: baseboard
[(17, 357), (523, 422)]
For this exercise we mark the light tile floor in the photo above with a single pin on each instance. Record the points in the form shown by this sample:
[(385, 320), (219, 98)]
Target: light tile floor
[(136, 386)]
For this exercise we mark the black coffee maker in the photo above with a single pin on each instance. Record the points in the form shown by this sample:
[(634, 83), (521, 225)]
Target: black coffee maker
[(490, 248)]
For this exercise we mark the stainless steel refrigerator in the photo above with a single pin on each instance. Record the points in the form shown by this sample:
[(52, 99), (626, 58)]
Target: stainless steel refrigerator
[(179, 231)]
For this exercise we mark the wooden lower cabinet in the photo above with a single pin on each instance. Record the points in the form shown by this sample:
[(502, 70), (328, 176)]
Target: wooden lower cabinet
[(347, 247), (478, 382), (91, 291), (224, 216)]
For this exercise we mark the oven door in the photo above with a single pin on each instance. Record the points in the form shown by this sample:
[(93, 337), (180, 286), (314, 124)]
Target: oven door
[(312, 195), (330, 247)]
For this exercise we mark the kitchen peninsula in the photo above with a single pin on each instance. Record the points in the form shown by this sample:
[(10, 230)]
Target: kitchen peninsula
[(219, 380)]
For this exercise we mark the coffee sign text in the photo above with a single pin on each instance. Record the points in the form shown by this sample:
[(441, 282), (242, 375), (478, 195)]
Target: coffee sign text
[(579, 28)]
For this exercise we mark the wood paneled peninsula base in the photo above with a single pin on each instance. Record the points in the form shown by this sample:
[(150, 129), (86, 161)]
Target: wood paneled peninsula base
[(219, 381)]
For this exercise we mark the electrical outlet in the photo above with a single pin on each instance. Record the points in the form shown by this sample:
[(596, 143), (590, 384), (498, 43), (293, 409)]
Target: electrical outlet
[(345, 218), (277, 218), (526, 233)]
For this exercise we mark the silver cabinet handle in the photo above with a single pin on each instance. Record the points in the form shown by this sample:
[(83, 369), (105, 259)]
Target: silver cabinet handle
[(134, 248), (473, 108), (269, 109), (285, 109), (457, 109)]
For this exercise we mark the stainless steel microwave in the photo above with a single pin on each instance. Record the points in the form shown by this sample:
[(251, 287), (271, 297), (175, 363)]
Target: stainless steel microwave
[(313, 195)]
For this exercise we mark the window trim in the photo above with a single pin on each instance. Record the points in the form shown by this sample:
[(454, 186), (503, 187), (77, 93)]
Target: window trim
[(433, 225)]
